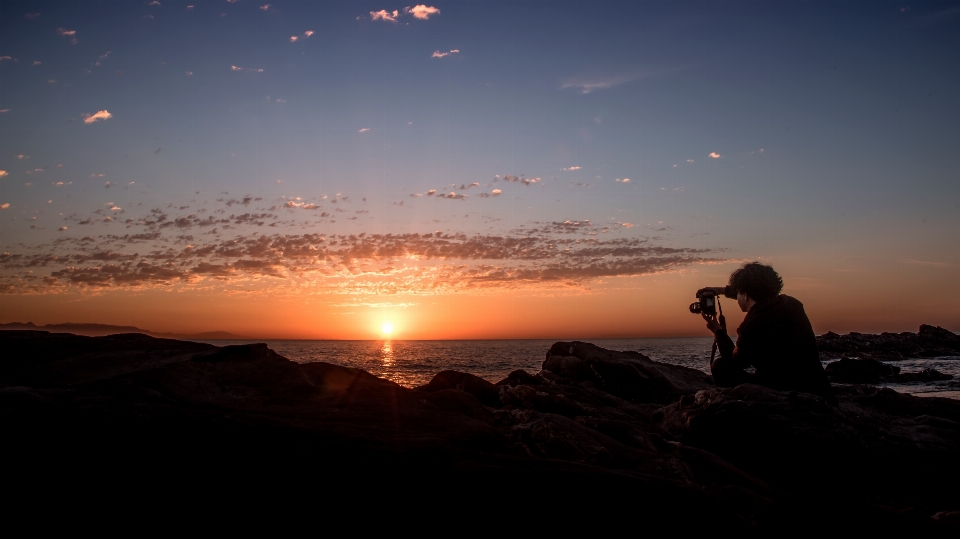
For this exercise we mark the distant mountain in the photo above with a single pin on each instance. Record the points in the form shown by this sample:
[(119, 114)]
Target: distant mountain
[(100, 330)]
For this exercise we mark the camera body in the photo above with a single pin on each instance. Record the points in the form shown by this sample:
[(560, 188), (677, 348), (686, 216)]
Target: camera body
[(706, 303), (707, 300)]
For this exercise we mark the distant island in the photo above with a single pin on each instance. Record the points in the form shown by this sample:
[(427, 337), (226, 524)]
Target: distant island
[(102, 330)]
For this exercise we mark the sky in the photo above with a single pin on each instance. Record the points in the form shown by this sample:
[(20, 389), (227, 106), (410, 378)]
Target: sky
[(475, 169)]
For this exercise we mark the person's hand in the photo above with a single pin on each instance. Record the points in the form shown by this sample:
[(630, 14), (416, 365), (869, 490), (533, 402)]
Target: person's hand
[(712, 323)]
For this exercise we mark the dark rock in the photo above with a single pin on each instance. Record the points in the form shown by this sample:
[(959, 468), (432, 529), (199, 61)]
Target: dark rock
[(868, 446), (483, 390), (929, 341), (859, 371), (520, 377), (138, 418), (924, 375), (627, 375)]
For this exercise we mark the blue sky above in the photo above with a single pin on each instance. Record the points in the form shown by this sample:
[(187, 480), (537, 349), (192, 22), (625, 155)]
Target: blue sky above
[(824, 130)]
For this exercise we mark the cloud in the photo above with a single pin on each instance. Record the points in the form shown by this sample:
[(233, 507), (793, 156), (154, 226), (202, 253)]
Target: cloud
[(4, 111), (715, 155), (623, 180), (571, 169), (586, 85), (556, 254), (384, 15), (154, 3), (464, 187), (690, 160), (431, 192), (97, 116), (4, 173), (108, 185), (453, 196), (496, 192), (293, 39), (68, 33), (438, 54), (308, 33), (265, 7), (520, 179), (61, 229), (421, 11), (37, 62), (364, 129), (246, 69), (4, 206), (22, 156)]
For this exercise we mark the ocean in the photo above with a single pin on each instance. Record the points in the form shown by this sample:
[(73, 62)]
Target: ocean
[(414, 363)]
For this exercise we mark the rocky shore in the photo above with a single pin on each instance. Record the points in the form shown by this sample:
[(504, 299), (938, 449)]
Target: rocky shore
[(597, 437), (929, 341)]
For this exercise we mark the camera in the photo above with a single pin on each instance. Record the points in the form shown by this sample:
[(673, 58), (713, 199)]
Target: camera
[(706, 303), (707, 300)]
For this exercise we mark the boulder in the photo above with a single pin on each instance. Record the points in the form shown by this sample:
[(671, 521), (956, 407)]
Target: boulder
[(484, 391), (859, 371), (627, 375), (929, 341)]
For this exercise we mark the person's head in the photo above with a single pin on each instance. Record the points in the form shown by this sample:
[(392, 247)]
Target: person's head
[(755, 282)]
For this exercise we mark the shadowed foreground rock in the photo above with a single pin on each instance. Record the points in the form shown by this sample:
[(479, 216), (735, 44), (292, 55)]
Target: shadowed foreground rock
[(597, 437)]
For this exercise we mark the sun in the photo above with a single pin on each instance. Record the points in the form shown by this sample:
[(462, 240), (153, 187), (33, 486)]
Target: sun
[(386, 328)]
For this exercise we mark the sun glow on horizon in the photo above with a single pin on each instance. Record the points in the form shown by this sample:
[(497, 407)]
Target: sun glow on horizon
[(386, 328)]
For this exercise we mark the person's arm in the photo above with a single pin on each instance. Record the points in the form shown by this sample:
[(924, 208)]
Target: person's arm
[(728, 367), (725, 291)]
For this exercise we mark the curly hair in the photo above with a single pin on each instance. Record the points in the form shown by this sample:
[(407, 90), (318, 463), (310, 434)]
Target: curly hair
[(757, 280)]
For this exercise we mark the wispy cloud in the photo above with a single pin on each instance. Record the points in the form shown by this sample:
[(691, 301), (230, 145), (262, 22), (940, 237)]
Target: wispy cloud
[(438, 54), (623, 180), (421, 11), (571, 169), (246, 69), (308, 33), (72, 34), (97, 116), (520, 179), (364, 129), (4, 206), (384, 15), (4, 173), (265, 7), (586, 85), (293, 39), (714, 155)]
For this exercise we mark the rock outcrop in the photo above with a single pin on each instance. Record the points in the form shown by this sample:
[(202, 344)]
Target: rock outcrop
[(871, 371), (596, 437), (929, 341)]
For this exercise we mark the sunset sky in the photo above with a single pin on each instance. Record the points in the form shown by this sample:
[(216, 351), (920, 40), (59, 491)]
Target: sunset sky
[(475, 169)]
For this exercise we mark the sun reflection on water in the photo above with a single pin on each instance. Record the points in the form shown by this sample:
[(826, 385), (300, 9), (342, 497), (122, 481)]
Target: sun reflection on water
[(386, 353)]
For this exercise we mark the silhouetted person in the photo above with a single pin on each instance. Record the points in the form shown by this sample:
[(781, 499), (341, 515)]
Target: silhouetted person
[(775, 337)]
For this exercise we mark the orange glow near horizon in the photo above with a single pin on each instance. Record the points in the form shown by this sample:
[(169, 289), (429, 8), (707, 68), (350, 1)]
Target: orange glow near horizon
[(643, 306)]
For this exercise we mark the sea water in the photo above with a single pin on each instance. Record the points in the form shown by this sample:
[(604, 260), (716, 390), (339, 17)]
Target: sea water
[(413, 363)]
